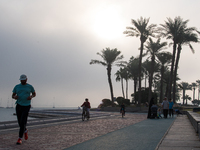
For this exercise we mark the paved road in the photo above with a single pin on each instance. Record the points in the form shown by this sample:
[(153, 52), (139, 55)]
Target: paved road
[(144, 135)]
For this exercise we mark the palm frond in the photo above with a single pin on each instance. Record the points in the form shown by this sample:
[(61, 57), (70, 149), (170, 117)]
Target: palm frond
[(98, 62)]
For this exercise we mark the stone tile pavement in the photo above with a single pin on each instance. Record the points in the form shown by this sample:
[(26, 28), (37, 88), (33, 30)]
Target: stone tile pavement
[(181, 136)]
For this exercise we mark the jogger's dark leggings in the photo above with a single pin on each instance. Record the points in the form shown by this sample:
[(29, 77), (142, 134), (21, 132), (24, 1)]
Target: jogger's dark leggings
[(22, 115)]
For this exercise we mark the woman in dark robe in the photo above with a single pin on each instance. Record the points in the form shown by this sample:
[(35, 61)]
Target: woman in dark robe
[(150, 104)]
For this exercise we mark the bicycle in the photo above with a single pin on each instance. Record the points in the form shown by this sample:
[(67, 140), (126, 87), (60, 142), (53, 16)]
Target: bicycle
[(85, 114)]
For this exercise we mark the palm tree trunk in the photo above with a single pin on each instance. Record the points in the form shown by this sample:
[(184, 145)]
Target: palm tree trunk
[(194, 94), (145, 81), (175, 72), (183, 96), (172, 69), (151, 79), (122, 87), (126, 89), (110, 83), (140, 73), (161, 84), (135, 87), (166, 90)]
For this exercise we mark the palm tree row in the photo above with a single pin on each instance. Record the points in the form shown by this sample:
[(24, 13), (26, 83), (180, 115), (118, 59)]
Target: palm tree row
[(186, 86), (176, 30)]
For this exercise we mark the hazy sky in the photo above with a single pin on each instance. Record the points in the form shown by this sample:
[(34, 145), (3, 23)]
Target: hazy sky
[(53, 41)]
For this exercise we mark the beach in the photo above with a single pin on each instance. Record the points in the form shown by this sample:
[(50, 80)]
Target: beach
[(64, 135)]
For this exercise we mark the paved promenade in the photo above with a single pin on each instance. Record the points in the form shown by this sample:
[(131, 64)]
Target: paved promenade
[(113, 133), (144, 135), (181, 136)]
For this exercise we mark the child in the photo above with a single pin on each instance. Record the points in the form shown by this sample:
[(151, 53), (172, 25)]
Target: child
[(159, 113)]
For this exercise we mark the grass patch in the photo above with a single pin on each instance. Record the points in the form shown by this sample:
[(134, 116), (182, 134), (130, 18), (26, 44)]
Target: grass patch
[(187, 109)]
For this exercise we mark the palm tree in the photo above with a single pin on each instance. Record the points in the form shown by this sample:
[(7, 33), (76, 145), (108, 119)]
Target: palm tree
[(172, 29), (119, 77), (194, 85), (184, 86), (143, 31), (187, 97), (147, 66), (198, 82), (133, 69), (187, 37), (110, 57), (121, 74), (164, 59), (127, 76), (153, 48)]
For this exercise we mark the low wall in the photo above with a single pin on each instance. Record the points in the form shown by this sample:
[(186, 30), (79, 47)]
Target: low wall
[(195, 120), (128, 109)]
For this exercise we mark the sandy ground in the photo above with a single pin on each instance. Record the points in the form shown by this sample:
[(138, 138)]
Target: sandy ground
[(66, 135)]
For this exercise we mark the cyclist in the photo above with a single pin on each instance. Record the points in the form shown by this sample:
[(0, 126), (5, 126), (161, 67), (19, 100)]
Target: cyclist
[(86, 107), (122, 108)]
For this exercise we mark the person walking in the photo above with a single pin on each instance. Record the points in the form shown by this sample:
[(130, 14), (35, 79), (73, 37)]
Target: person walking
[(165, 107), (23, 93), (171, 111), (122, 108)]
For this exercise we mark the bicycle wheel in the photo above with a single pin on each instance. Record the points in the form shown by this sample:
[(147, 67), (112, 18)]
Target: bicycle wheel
[(122, 113), (83, 116), (87, 115)]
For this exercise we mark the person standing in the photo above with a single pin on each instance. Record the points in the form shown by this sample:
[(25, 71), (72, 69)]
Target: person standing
[(23, 93), (150, 105), (171, 111), (165, 107)]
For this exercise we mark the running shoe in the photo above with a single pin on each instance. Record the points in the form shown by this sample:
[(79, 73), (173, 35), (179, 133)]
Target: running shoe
[(19, 141), (26, 134)]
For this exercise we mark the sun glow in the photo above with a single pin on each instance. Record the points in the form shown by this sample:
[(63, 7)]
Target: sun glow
[(107, 23)]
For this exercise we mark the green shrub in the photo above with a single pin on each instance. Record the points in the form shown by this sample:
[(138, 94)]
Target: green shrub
[(121, 100)]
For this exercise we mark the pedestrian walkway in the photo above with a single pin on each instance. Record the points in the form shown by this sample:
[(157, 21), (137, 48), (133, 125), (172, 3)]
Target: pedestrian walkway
[(134, 132), (181, 136), (144, 135)]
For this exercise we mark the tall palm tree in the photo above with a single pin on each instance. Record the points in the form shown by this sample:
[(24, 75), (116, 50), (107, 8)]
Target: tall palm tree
[(123, 74), (119, 77), (164, 59), (186, 38), (147, 66), (153, 48), (194, 85), (110, 57), (127, 76), (142, 30), (133, 69), (198, 82), (184, 86), (172, 29)]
